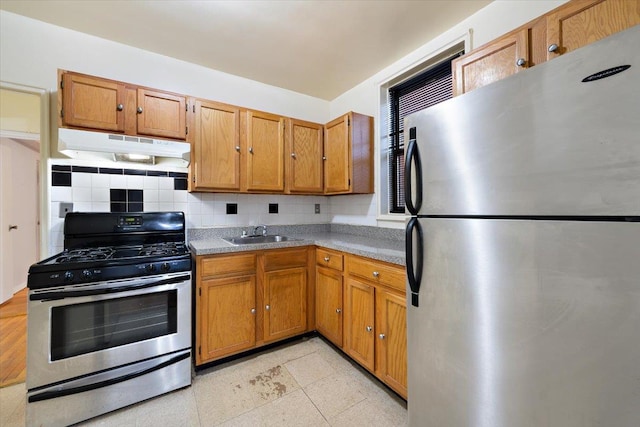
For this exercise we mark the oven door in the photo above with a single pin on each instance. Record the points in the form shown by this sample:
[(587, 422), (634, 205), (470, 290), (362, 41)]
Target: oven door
[(83, 329)]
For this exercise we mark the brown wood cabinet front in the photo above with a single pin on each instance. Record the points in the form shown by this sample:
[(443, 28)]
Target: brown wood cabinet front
[(329, 304), (285, 298), (391, 336), (92, 102), (580, 22), (227, 317), (348, 155), (216, 150), (161, 114), (359, 322), (304, 161), (265, 152)]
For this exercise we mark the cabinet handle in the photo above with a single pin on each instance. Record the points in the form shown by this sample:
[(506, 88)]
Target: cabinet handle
[(381, 336), (238, 148), (326, 259), (338, 310), (293, 155), (369, 329), (253, 311), (520, 62), (139, 110), (553, 48), (13, 227), (120, 107), (267, 308), (251, 150), (376, 274)]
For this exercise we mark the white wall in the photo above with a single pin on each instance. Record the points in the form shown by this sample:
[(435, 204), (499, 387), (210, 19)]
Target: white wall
[(487, 24)]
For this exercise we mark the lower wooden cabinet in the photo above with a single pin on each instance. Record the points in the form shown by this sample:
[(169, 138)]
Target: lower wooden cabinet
[(391, 339), (249, 299), (329, 304), (359, 322)]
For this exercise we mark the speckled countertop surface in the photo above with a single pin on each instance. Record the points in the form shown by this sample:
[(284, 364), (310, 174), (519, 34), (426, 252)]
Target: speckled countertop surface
[(381, 244)]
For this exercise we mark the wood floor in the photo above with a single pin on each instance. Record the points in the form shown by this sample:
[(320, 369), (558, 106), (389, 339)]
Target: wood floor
[(13, 339)]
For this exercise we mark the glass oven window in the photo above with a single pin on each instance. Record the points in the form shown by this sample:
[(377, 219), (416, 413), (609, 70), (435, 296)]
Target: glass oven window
[(93, 326)]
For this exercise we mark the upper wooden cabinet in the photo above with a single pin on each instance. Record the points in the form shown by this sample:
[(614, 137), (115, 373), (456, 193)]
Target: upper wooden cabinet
[(161, 114), (106, 105), (91, 102), (566, 28), (303, 157), (265, 152), (348, 155), (216, 149), (581, 22)]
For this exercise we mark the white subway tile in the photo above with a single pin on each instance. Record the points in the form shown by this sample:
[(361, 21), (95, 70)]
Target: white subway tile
[(165, 183), (81, 179), (135, 182), (82, 206), (150, 182), (118, 181), (61, 194), (81, 194), (99, 180), (180, 196), (100, 206), (165, 196), (180, 207), (100, 195), (150, 206), (150, 195), (165, 206)]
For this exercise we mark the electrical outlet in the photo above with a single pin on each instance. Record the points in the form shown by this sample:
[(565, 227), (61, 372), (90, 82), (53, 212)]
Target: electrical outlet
[(65, 208), (317, 208)]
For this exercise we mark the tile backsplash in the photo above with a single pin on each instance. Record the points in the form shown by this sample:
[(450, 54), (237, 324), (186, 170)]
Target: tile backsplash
[(98, 189)]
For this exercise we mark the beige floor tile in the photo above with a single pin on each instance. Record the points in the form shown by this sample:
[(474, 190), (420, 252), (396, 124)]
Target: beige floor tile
[(292, 410), (271, 384), (12, 405), (221, 395), (335, 358), (309, 369), (370, 413), (334, 394)]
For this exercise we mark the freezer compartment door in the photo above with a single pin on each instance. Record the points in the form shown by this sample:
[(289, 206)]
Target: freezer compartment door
[(542, 142), (526, 323)]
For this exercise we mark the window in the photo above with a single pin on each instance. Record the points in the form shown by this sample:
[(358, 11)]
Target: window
[(428, 88)]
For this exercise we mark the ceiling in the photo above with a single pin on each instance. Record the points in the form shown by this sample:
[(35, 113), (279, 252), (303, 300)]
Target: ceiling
[(320, 48)]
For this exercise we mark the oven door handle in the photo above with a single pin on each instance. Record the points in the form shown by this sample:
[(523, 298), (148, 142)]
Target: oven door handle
[(46, 395), (54, 295)]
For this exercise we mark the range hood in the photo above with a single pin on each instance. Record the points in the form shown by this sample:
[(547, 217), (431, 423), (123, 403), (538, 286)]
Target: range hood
[(73, 142)]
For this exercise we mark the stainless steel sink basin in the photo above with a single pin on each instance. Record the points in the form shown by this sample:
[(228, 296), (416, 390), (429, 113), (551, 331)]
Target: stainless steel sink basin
[(253, 240)]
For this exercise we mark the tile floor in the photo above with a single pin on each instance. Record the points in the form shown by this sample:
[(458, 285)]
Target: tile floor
[(305, 383)]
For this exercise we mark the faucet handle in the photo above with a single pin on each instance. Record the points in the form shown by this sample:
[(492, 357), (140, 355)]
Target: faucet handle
[(244, 233)]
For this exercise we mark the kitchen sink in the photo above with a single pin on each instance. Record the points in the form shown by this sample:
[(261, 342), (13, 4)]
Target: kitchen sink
[(252, 240)]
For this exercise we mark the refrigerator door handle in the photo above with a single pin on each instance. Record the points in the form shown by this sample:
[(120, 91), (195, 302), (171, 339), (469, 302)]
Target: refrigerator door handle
[(412, 155), (414, 275)]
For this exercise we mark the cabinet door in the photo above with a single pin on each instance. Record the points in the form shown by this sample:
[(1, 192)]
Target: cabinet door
[(285, 298), (579, 23), (329, 304), (265, 156), (391, 348), (227, 322), (217, 147), (491, 63), (304, 171), (359, 322), (161, 114), (337, 155), (91, 102)]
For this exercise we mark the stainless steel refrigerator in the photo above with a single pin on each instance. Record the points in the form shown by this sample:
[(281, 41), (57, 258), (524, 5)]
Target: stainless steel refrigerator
[(523, 249)]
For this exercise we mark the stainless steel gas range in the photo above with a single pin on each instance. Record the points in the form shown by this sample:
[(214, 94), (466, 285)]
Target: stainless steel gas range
[(109, 319)]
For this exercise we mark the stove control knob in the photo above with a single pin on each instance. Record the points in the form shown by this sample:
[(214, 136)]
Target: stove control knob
[(68, 276), (86, 274), (165, 266), (150, 268)]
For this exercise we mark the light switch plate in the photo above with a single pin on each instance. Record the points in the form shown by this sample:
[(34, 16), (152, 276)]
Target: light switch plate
[(65, 208)]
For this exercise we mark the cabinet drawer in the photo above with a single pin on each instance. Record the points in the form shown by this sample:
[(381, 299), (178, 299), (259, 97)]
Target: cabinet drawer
[(287, 258), (377, 272), (228, 264), (329, 259)]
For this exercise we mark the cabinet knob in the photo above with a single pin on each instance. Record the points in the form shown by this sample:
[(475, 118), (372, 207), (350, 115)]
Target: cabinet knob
[(267, 308), (326, 259), (253, 311), (369, 329), (293, 155), (251, 150), (338, 310), (324, 158), (553, 48), (520, 62), (139, 110), (376, 274), (381, 336), (120, 107), (238, 148)]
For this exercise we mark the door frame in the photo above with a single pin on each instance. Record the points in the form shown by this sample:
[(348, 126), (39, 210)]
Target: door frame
[(43, 176)]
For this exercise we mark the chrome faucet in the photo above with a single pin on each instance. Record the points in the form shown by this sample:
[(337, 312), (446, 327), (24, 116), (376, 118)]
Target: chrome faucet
[(264, 230)]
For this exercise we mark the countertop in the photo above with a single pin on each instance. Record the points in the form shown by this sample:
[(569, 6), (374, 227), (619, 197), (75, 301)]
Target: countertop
[(389, 250)]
